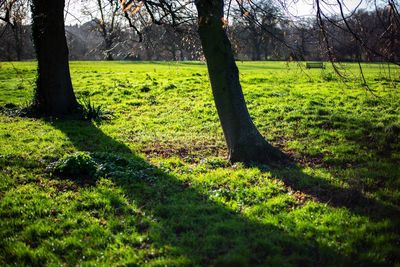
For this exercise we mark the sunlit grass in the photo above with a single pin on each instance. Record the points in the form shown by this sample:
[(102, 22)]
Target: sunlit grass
[(164, 194)]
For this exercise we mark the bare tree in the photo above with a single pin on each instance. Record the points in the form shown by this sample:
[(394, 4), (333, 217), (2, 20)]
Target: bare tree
[(353, 24), (244, 141), (54, 94), (106, 17), (14, 14), (251, 27)]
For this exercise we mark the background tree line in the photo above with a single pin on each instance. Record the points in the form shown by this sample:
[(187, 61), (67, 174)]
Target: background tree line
[(104, 33)]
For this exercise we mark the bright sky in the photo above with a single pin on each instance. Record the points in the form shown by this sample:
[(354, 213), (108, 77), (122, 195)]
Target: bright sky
[(73, 12), (306, 8), (296, 8)]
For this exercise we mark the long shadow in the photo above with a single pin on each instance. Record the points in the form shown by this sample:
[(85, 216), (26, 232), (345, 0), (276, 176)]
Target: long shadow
[(352, 198), (205, 232), (322, 191), (381, 140)]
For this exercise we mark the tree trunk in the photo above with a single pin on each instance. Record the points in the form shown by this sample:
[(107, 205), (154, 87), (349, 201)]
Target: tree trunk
[(54, 94), (245, 143), (17, 31), (256, 47), (109, 56), (108, 46)]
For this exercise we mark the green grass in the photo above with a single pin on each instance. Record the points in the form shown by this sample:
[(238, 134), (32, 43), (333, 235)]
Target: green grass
[(152, 186)]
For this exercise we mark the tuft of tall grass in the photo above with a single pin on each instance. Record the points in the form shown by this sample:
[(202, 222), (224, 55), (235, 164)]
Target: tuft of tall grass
[(90, 111)]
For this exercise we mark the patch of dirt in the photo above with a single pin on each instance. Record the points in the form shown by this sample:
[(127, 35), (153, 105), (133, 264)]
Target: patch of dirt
[(196, 150)]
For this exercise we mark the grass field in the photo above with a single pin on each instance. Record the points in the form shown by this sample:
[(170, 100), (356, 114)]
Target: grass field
[(152, 185)]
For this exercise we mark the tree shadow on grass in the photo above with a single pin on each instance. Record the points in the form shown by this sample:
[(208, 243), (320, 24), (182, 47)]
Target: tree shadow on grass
[(323, 191), (372, 159), (202, 231)]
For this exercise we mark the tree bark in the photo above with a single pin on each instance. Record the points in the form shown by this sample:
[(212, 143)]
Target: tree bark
[(17, 31), (54, 93), (245, 143), (256, 45), (108, 47)]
